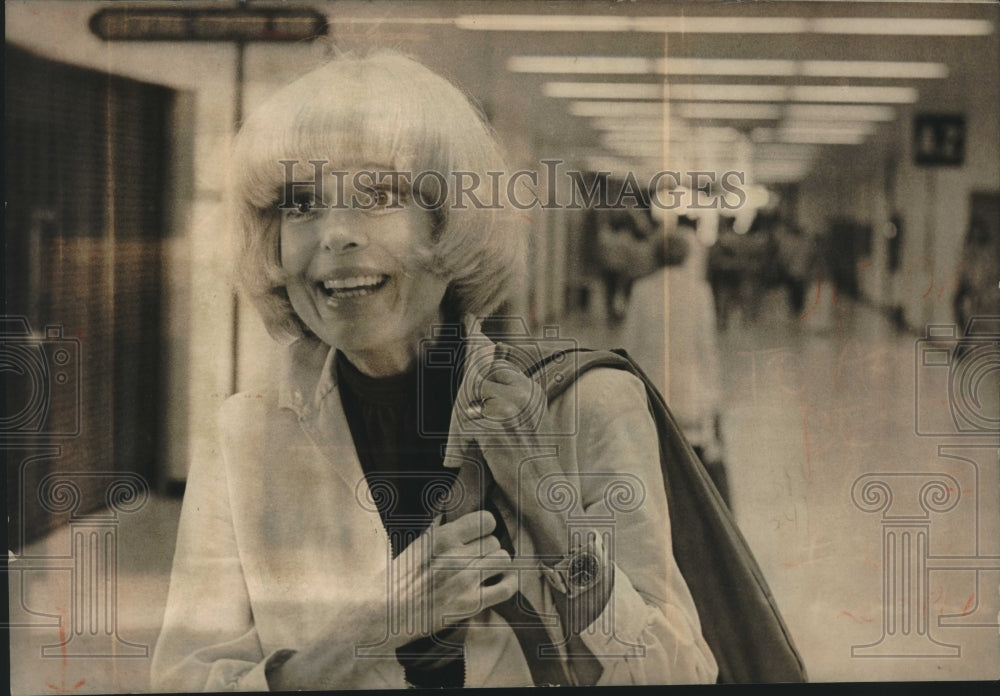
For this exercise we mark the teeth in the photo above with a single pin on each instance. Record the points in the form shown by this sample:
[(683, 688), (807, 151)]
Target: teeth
[(354, 283)]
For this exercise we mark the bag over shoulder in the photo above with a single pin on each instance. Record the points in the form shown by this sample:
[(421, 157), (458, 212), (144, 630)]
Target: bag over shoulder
[(739, 617)]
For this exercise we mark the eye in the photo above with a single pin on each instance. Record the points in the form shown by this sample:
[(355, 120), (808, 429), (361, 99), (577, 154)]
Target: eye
[(384, 200), (304, 207)]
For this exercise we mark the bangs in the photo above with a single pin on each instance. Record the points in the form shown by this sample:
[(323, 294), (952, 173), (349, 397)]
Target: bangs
[(347, 114)]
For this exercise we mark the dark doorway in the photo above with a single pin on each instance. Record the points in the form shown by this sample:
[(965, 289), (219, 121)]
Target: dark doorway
[(86, 187)]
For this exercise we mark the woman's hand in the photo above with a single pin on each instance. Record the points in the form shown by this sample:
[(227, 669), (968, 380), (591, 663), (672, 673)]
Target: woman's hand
[(505, 413), (497, 397), (449, 573)]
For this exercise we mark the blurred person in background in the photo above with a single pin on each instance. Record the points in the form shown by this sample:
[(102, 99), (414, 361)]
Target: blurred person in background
[(675, 343), (626, 249), (796, 257), (725, 269), (978, 293)]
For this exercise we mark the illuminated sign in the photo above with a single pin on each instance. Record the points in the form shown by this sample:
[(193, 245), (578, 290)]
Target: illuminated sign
[(208, 24)]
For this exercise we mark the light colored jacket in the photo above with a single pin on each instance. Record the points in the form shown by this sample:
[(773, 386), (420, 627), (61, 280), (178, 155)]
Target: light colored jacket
[(670, 331), (279, 537)]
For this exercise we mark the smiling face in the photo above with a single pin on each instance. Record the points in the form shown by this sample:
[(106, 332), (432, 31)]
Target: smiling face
[(359, 271)]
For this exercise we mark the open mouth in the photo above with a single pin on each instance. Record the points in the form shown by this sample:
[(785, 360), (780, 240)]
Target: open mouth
[(356, 286)]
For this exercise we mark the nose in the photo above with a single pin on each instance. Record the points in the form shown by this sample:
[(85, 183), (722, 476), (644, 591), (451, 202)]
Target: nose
[(342, 233)]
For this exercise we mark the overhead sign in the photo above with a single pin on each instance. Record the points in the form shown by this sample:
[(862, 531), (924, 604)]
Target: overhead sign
[(208, 24), (939, 139)]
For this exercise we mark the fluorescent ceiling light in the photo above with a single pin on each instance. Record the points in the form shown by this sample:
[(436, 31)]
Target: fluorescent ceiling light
[(687, 92), (726, 66), (700, 92), (822, 133), (899, 26), (863, 127), (712, 110), (619, 108), (872, 69), (726, 25), (718, 145), (583, 64), (638, 149), (836, 112), (820, 137), (779, 166), (644, 125), (606, 163), (853, 93), (717, 132), (782, 151), (540, 22), (730, 93), (623, 65), (603, 90)]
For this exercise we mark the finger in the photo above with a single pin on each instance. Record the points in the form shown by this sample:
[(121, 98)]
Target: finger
[(485, 570), (498, 559), (514, 354), (500, 590), (502, 351), (473, 551), (475, 410), (464, 530), (503, 402), (507, 372), (487, 545)]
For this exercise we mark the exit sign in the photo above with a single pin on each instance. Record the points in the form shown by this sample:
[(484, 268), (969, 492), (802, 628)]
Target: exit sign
[(208, 24), (939, 140)]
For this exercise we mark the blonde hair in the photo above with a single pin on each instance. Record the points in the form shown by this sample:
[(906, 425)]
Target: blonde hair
[(391, 110)]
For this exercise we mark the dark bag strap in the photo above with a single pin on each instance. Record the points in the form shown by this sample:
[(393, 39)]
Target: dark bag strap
[(739, 617)]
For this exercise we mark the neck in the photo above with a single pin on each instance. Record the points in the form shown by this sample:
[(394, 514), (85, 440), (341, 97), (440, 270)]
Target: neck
[(391, 359), (385, 361)]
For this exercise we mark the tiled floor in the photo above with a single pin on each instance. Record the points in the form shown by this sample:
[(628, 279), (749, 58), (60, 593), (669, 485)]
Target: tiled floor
[(824, 464)]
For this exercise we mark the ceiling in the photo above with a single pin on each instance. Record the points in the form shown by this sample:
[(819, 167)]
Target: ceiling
[(771, 88), (753, 86)]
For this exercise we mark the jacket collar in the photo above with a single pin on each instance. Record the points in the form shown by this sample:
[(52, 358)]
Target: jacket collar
[(307, 374)]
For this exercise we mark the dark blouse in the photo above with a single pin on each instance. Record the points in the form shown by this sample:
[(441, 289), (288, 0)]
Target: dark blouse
[(399, 425)]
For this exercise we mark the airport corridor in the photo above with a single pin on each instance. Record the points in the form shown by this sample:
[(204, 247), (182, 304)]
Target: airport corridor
[(820, 422)]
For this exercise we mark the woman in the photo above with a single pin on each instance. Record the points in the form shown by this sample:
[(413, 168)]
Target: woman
[(670, 330), (316, 552)]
